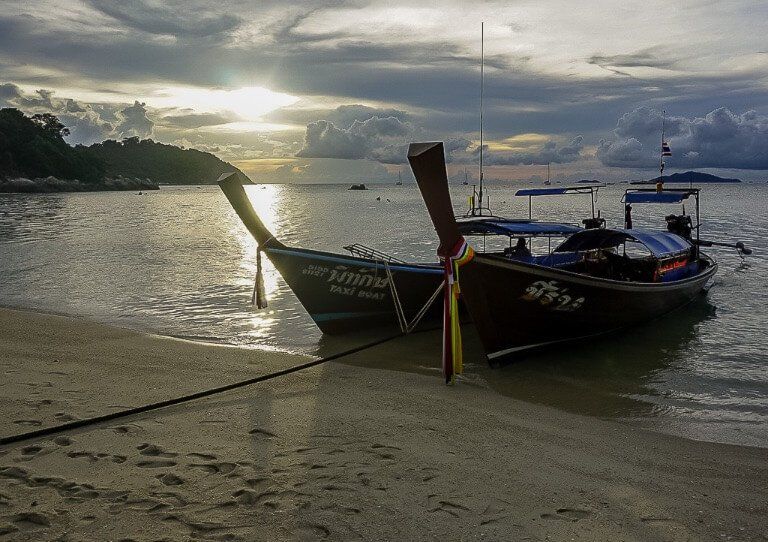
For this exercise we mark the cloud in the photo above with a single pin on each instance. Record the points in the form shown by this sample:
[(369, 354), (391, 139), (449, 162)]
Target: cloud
[(167, 18), (426, 67), (720, 139), (374, 138), (9, 93), (134, 122), (189, 121), (324, 140), (88, 123), (646, 58), (549, 152), (383, 140)]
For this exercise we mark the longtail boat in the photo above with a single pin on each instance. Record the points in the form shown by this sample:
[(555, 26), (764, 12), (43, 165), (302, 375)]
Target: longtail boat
[(369, 289), (607, 279), (343, 292)]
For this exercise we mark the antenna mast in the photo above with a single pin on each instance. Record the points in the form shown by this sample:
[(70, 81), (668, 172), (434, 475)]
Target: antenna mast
[(482, 77), (661, 157)]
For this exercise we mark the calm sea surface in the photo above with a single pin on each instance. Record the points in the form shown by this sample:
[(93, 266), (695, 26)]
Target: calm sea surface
[(178, 262)]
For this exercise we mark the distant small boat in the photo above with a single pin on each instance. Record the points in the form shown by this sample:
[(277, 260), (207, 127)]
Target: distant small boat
[(360, 186)]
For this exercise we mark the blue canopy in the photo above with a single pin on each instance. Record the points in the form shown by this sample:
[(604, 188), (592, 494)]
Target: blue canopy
[(541, 191), (515, 227), (662, 244), (655, 197), (586, 189)]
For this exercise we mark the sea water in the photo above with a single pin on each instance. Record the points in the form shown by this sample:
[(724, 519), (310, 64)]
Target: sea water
[(178, 262)]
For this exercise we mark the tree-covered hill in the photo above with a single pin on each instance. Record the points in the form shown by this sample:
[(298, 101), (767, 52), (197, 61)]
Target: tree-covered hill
[(162, 163), (695, 177), (34, 148)]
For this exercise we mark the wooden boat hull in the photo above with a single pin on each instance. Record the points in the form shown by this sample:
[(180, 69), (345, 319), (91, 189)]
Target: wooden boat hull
[(342, 293), (518, 306), (345, 293)]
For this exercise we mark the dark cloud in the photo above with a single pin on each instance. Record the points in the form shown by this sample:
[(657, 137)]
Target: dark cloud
[(646, 58), (167, 18), (720, 139), (435, 80), (430, 81), (8, 94), (73, 106)]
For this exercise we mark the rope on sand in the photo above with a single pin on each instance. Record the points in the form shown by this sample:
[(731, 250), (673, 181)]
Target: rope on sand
[(77, 424)]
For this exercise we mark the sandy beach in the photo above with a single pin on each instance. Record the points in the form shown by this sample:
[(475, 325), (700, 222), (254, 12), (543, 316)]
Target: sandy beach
[(337, 452)]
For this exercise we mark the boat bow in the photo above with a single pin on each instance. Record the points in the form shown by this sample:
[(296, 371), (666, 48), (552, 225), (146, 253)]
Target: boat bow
[(233, 186)]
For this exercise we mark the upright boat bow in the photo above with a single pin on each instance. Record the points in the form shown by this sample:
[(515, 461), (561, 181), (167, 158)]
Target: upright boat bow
[(517, 304)]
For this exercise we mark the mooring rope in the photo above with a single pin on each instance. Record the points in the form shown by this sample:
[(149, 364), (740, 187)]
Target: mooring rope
[(77, 424)]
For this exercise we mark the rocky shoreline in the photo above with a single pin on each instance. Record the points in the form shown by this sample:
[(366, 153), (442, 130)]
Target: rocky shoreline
[(52, 184)]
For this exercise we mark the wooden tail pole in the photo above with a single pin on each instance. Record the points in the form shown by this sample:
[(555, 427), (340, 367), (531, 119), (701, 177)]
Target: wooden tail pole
[(428, 164), (737, 245)]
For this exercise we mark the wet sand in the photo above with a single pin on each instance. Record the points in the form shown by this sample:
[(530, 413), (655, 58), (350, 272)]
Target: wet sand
[(337, 452)]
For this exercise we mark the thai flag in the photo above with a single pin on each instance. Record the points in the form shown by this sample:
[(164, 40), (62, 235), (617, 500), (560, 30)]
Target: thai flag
[(665, 150)]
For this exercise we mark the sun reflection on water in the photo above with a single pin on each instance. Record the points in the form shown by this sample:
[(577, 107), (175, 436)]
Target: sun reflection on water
[(265, 200)]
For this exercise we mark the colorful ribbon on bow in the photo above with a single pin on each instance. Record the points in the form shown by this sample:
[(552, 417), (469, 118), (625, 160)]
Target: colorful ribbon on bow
[(452, 351)]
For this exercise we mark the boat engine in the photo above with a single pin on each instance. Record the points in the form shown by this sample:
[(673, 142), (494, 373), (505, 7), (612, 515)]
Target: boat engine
[(680, 225), (594, 222)]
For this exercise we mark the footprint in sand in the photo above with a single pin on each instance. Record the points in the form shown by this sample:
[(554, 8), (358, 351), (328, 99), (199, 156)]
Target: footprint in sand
[(33, 423), (156, 464), (64, 417), (7, 529), (30, 520), (170, 479), (215, 468), (154, 450), (246, 496), (31, 450), (128, 428), (568, 514), (90, 456), (204, 457), (262, 432), (62, 441), (311, 532)]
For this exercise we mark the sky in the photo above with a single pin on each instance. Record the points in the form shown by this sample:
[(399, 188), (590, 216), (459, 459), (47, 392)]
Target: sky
[(334, 92)]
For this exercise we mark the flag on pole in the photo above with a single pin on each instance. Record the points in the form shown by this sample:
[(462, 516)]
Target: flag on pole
[(665, 150)]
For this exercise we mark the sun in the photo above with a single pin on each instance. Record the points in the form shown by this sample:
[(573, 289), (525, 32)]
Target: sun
[(248, 103)]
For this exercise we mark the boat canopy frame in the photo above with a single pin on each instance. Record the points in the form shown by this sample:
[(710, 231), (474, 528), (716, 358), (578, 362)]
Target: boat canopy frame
[(492, 225), (665, 196), (560, 191), (660, 244)]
